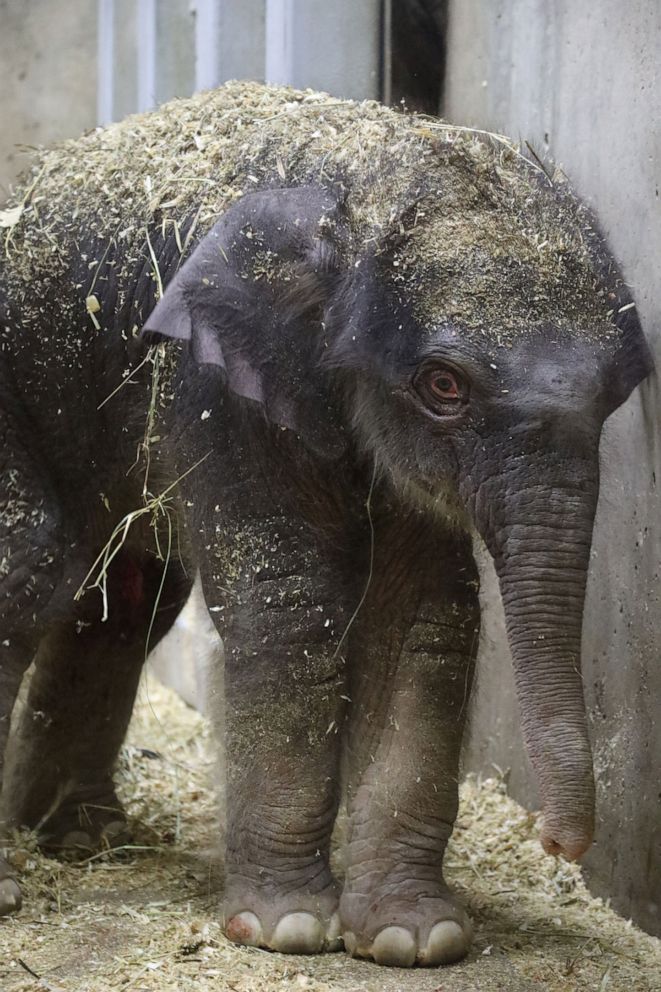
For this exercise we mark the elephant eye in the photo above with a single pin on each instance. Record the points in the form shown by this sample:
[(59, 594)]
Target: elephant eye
[(442, 389), (445, 385)]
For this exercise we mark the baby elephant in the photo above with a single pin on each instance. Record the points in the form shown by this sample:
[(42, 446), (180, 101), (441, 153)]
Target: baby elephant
[(312, 348)]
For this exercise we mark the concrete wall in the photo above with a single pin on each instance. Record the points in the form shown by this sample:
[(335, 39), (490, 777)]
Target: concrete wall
[(64, 67), (47, 77), (582, 82)]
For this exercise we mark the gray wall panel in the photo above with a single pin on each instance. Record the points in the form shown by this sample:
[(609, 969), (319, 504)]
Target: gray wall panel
[(241, 40), (327, 46), (581, 81), (175, 49), (125, 59), (47, 76)]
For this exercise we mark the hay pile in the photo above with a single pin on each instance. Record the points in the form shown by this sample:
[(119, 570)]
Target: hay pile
[(482, 239), (146, 920)]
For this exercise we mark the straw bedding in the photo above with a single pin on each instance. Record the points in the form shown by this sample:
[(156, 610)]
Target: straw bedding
[(147, 918)]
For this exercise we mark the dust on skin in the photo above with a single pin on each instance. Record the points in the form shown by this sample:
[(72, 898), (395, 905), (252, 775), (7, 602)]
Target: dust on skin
[(17, 507), (242, 556)]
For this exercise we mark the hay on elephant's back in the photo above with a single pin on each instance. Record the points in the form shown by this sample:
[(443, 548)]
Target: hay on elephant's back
[(481, 239)]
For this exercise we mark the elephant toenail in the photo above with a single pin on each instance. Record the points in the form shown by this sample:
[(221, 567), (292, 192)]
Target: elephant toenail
[(77, 840), (244, 928), (447, 942), (10, 897), (298, 933), (350, 942), (115, 833), (333, 940), (395, 947)]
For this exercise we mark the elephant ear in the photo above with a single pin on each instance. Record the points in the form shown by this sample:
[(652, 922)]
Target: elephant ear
[(252, 298)]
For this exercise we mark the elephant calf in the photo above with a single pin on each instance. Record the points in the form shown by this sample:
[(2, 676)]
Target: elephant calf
[(310, 347)]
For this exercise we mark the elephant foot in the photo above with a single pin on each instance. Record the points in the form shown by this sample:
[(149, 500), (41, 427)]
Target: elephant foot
[(84, 823), (10, 894), (294, 922), (402, 929)]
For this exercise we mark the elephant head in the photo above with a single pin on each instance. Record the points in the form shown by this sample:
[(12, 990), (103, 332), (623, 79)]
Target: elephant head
[(474, 353)]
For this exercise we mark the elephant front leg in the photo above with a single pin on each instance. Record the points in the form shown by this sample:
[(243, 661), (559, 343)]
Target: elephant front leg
[(411, 675), (283, 707)]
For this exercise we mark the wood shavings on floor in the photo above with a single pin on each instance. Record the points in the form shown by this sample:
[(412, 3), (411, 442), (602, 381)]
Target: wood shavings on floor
[(146, 919)]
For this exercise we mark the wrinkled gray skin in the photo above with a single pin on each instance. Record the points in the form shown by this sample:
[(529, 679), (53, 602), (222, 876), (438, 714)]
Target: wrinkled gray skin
[(330, 512)]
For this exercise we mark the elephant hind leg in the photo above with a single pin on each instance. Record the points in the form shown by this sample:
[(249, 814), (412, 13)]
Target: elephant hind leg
[(31, 558), (15, 656), (61, 759)]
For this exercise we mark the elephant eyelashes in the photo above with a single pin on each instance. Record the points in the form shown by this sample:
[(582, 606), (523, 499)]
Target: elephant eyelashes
[(442, 389)]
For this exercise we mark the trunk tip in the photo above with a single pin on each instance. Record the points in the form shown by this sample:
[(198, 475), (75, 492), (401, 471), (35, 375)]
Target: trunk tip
[(571, 847)]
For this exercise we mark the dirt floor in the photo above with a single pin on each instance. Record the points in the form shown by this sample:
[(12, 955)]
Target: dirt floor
[(146, 919)]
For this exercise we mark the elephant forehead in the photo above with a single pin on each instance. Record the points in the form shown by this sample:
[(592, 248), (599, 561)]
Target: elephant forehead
[(500, 273)]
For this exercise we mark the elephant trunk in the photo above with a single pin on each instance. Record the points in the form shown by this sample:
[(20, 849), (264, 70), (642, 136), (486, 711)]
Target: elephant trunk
[(541, 551)]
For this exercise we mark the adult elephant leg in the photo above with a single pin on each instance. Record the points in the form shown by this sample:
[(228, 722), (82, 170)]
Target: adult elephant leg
[(15, 659), (62, 755), (281, 623), (412, 660), (30, 569)]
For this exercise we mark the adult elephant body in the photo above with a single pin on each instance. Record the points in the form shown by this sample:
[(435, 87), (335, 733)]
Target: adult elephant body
[(384, 336)]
